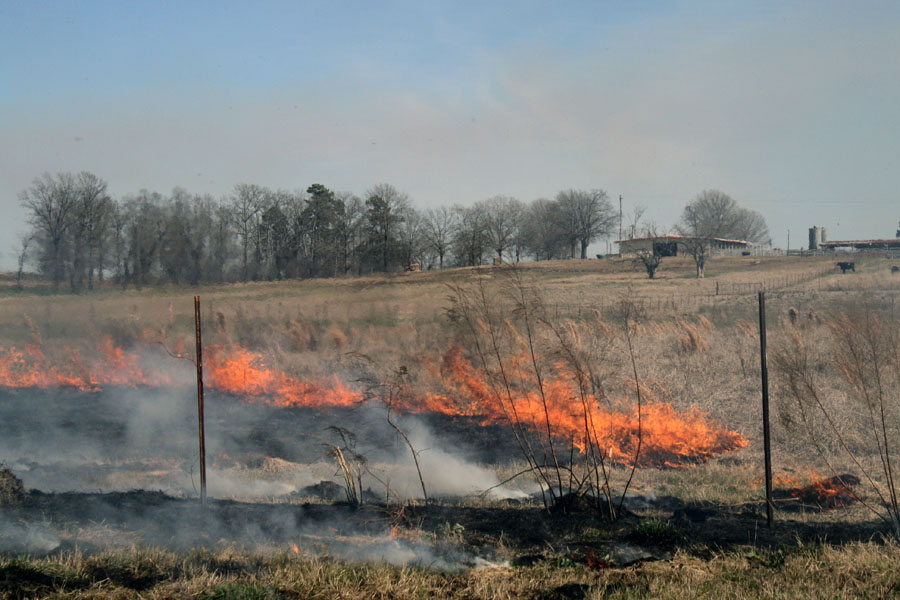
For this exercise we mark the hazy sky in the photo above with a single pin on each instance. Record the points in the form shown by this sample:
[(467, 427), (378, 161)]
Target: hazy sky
[(792, 108)]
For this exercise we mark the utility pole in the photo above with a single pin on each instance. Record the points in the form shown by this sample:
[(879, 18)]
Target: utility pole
[(788, 251), (620, 217)]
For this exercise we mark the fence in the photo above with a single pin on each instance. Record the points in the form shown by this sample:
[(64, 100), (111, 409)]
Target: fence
[(714, 293)]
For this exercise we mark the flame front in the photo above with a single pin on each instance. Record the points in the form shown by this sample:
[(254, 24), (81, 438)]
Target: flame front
[(241, 372), (112, 366), (658, 435)]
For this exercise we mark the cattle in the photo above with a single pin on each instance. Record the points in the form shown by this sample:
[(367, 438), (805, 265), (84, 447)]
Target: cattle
[(414, 267), (895, 269), (792, 315), (847, 266)]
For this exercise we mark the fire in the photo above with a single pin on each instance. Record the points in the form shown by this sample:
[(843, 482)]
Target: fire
[(294, 548), (824, 492), (233, 371), (244, 373), (560, 406), (668, 438), (31, 368)]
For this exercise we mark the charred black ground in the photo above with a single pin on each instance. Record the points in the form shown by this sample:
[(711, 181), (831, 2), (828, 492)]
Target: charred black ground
[(153, 422)]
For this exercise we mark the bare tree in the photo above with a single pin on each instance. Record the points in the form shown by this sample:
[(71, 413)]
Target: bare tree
[(89, 228), (409, 236), (349, 229), (438, 227), (51, 202), (649, 259), (221, 249), (752, 227), (503, 217), (23, 255), (247, 204), (714, 214), (584, 217), (543, 237), (470, 239), (634, 220), (145, 228)]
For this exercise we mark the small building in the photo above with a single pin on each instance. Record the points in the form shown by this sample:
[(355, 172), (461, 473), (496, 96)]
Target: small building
[(677, 245)]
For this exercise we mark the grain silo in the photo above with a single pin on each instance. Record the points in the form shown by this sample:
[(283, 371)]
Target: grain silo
[(815, 237)]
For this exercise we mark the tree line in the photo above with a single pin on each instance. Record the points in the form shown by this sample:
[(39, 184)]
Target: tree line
[(79, 234)]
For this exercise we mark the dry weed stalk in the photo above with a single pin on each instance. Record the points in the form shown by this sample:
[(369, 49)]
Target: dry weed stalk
[(864, 348), (398, 388), (351, 463), (629, 318), (393, 391), (522, 350)]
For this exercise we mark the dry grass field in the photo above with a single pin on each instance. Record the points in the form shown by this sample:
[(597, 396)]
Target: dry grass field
[(695, 529)]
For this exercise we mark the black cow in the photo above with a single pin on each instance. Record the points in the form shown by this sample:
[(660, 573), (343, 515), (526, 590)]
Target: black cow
[(847, 266)]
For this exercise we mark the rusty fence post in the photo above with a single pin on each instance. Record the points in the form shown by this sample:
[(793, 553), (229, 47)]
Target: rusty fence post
[(764, 370), (200, 401)]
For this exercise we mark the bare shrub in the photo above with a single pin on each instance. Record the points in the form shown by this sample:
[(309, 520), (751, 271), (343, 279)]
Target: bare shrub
[(528, 359), (11, 489), (648, 259), (861, 362), (351, 464)]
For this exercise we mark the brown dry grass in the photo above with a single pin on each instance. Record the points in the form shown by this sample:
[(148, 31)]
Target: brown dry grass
[(860, 570)]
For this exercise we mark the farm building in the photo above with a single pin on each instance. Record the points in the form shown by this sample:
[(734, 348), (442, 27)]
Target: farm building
[(885, 244), (676, 245)]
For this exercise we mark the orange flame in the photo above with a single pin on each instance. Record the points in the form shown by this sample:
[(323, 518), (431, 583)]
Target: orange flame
[(112, 366), (559, 406), (243, 373), (824, 492), (295, 548)]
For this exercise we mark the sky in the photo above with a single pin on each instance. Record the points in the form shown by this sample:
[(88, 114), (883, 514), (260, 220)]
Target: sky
[(791, 108)]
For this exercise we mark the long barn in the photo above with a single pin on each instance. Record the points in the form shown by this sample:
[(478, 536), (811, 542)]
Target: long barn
[(677, 245), (885, 244)]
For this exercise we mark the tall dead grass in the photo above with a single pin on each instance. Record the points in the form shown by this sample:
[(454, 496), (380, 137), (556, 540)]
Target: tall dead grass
[(841, 389)]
